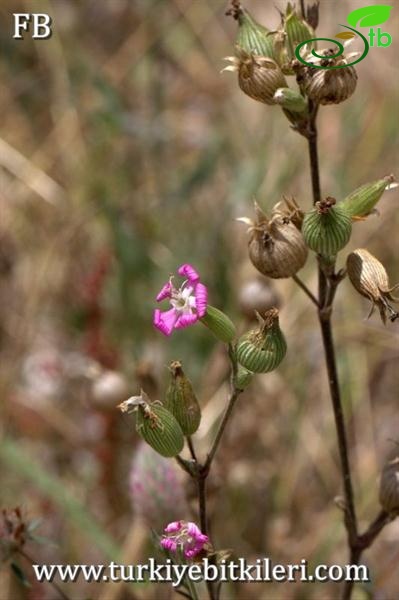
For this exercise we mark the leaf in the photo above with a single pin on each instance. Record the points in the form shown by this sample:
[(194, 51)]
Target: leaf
[(345, 35), (369, 16)]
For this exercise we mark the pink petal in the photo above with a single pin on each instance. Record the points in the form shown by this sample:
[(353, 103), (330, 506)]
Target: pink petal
[(165, 321), (186, 320), (188, 271), (201, 299), (173, 527), (193, 529), (169, 544), (165, 292)]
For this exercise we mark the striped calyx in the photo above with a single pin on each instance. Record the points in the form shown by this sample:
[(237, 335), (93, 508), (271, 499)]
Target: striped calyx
[(276, 246), (258, 76), (263, 349), (295, 30), (155, 424), (389, 486), (361, 202), (327, 228), (181, 400), (219, 323), (369, 277), (252, 36)]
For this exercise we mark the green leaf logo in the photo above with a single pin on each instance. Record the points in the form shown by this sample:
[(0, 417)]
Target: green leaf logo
[(369, 16)]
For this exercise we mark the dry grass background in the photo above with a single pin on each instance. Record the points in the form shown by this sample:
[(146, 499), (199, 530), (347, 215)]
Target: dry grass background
[(123, 153)]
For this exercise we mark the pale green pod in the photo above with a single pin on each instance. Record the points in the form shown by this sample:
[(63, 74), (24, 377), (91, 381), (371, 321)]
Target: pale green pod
[(181, 401), (219, 323), (159, 428), (327, 228), (297, 30), (253, 37), (362, 201), (263, 349), (242, 378), (290, 100)]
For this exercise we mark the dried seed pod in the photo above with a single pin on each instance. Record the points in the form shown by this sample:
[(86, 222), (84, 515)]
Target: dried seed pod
[(289, 208), (276, 246), (258, 77), (257, 295), (290, 100), (263, 349), (326, 86), (181, 400), (327, 228), (362, 201), (389, 486), (219, 323), (369, 277)]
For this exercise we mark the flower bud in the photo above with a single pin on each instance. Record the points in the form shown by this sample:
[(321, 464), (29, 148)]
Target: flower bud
[(181, 401), (326, 86), (219, 323), (362, 201), (389, 486), (327, 228), (263, 349), (369, 277), (276, 246), (258, 77), (242, 378), (290, 100)]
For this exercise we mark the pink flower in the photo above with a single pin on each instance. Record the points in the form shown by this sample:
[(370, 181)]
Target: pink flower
[(184, 535), (188, 303)]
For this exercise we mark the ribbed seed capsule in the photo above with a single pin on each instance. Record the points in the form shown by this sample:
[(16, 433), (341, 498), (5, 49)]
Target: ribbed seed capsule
[(369, 277), (276, 246), (389, 486), (296, 30), (263, 349), (327, 228), (181, 400), (326, 86), (362, 201), (258, 77), (159, 428), (252, 36)]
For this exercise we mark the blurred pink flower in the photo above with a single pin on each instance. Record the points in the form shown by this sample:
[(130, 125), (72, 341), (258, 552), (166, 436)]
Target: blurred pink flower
[(186, 535), (188, 303)]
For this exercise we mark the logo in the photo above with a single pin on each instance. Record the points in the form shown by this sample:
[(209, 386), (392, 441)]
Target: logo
[(367, 16)]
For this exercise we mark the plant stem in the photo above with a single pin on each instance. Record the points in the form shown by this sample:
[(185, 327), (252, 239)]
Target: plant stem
[(305, 288), (232, 400), (327, 287)]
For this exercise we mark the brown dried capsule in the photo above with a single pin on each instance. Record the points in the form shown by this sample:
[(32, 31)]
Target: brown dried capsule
[(276, 246), (326, 86), (369, 277), (258, 76)]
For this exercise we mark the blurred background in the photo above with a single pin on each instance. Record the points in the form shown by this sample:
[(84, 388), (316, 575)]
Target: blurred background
[(123, 154)]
